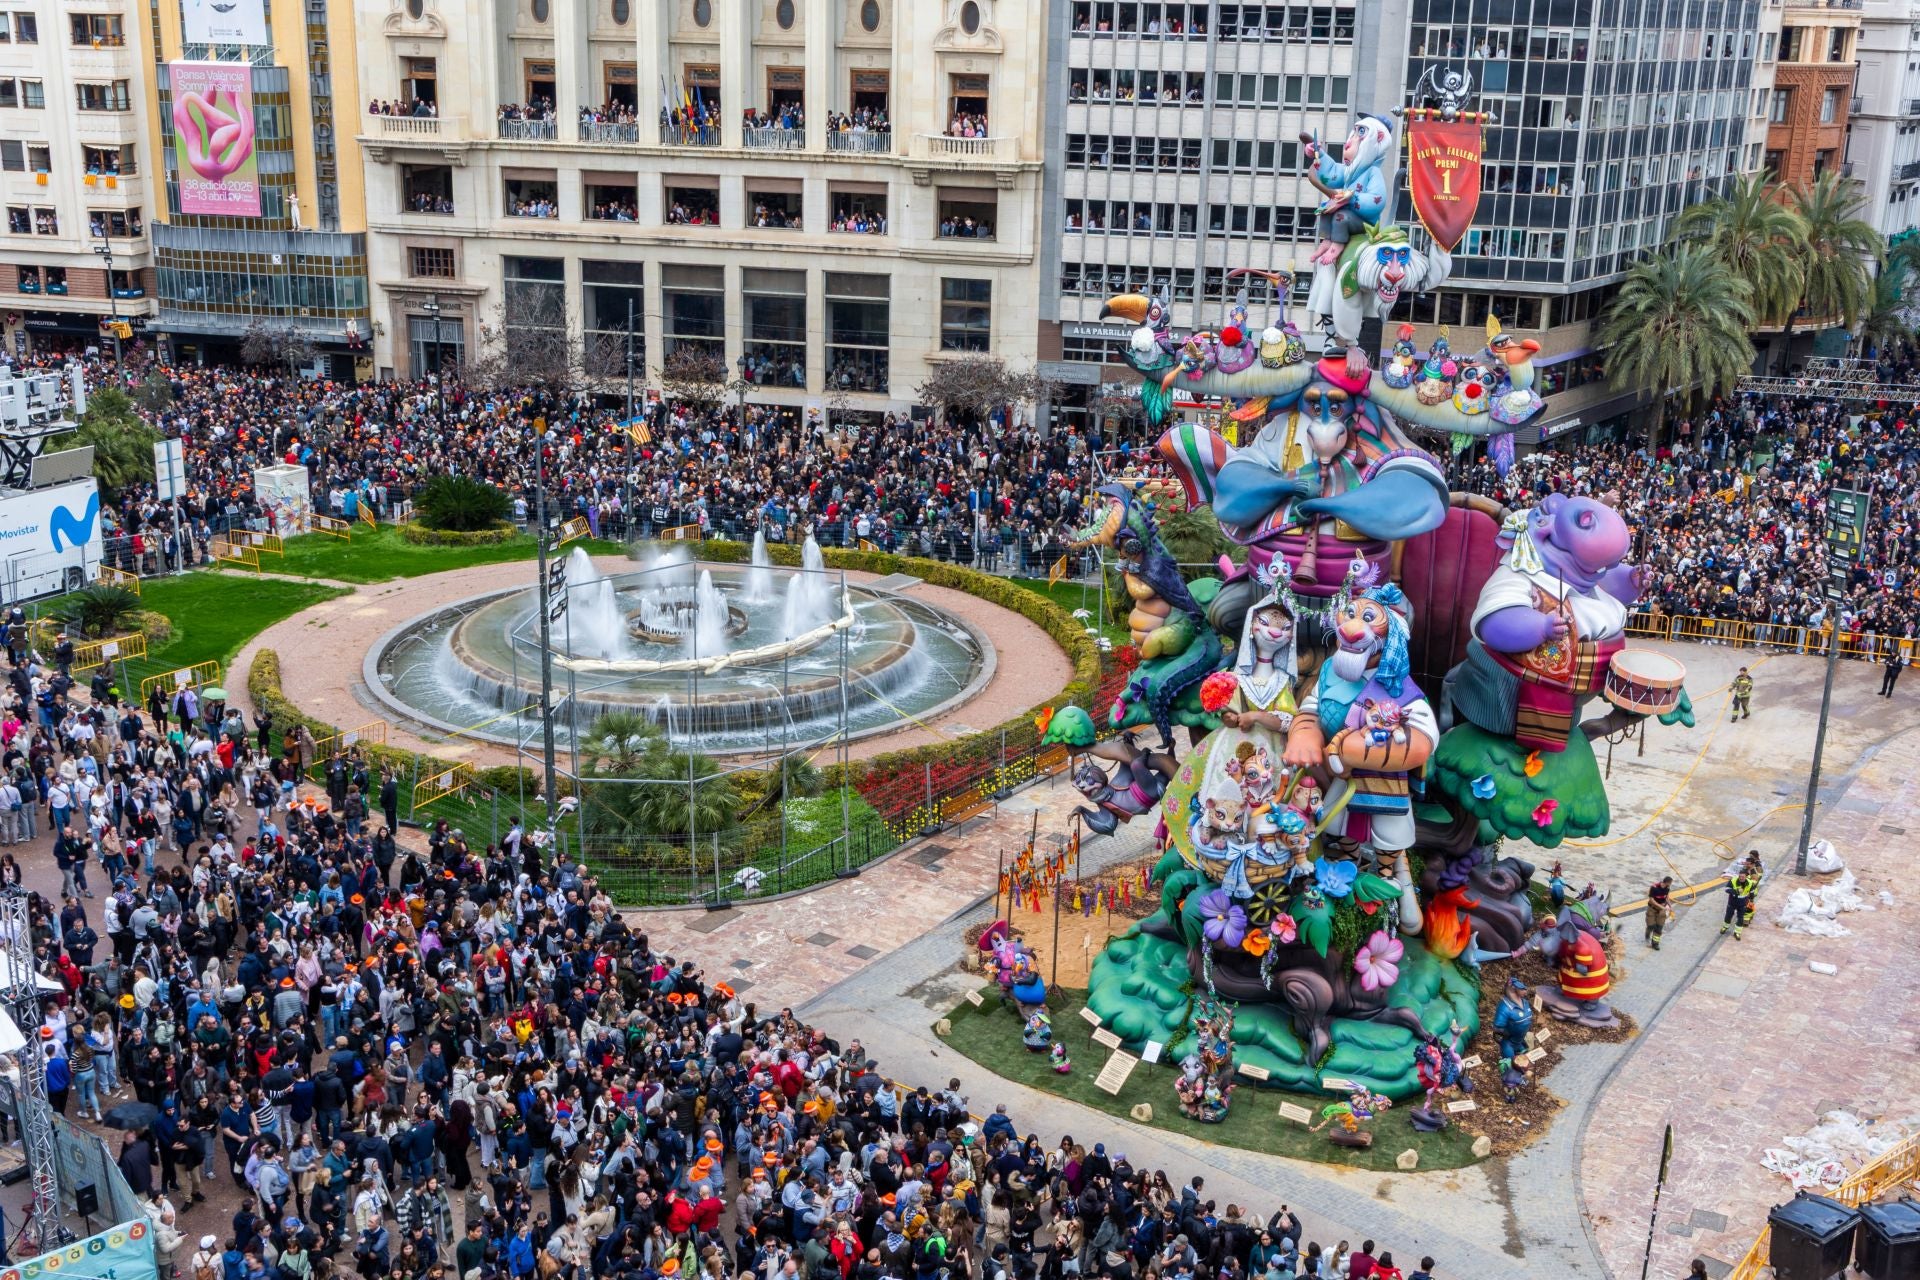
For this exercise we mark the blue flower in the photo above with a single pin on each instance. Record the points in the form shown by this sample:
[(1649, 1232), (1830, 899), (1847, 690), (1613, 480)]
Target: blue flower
[(1483, 786), (1335, 878)]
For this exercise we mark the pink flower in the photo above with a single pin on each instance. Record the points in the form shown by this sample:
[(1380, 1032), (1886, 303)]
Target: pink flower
[(1543, 812), (1284, 929), (1378, 961)]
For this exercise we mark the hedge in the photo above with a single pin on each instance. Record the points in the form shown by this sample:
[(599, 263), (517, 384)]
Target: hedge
[(421, 536), (1058, 623), (156, 627)]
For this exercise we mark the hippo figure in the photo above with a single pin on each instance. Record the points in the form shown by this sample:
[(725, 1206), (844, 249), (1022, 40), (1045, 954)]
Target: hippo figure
[(1548, 622)]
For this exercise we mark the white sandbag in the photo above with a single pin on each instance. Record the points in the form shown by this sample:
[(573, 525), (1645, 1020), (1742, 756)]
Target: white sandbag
[(1823, 858), (1841, 1143), (1814, 910)]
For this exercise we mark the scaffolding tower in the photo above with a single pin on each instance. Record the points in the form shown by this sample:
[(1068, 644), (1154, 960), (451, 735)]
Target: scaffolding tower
[(1842, 378), (43, 1229)]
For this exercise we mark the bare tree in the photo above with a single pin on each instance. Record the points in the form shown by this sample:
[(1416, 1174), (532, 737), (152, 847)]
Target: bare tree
[(695, 376), (980, 384), (528, 346), (269, 342)]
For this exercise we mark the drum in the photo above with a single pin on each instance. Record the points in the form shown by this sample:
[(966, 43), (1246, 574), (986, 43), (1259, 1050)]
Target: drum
[(1643, 681)]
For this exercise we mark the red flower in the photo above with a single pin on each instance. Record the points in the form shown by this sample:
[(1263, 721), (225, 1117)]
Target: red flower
[(1126, 657), (1217, 690)]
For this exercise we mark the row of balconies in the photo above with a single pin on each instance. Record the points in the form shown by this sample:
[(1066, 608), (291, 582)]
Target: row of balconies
[(442, 131)]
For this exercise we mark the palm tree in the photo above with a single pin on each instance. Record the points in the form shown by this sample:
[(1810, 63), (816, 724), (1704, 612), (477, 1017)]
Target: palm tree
[(1679, 323), (1758, 238), (122, 442), (1841, 249), (1886, 322)]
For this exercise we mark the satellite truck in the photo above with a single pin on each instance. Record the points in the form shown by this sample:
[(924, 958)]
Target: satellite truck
[(50, 527)]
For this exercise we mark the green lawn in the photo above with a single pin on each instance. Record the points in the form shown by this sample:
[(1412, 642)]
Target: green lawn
[(1071, 595), (990, 1036), (213, 616), (381, 555)]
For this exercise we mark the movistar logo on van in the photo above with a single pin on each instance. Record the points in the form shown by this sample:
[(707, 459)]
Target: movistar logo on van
[(77, 529)]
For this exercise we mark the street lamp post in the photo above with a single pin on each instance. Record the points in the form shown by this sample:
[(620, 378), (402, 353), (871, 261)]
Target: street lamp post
[(432, 308), (549, 773), (105, 250), (626, 449), (741, 364)]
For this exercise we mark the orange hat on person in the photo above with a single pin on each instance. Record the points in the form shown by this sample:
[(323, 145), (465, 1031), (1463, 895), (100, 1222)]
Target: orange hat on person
[(811, 1106), (770, 1159), (285, 983), (703, 1166), (715, 1145), (724, 991), (669, 1266), (673, 997)]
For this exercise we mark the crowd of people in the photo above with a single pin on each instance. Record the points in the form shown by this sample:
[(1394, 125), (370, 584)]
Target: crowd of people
[(538, 111), (695, 124), (859, 220), (538, 206), (968, 124), (1731, 517), (455, 1061), (782, 115), (682, 213), (397, 107), (861, 120), (965, 227), (774, 215)]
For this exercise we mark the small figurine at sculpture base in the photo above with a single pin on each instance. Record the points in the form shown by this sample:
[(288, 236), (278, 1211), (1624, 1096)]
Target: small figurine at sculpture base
[(1441, 1071), (1037, 1034), (1205, 1086), (1353, 1114), (1062, 1064)]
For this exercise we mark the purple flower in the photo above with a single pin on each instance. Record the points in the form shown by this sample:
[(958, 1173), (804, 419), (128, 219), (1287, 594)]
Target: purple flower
[(1378, 961), (1225, 923)]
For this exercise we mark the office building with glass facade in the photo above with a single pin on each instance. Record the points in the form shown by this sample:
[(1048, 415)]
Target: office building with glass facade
[(301, 264)]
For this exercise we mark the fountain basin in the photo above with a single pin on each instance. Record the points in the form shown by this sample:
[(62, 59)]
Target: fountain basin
[(473, 668)]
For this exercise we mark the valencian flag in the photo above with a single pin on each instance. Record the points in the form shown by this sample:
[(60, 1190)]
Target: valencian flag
[(1443, 172)]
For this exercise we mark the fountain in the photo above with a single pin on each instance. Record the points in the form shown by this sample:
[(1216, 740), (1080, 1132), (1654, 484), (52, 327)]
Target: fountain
[(809, 601), (681, 645), (708, 639), (759, 589), (593, 625)]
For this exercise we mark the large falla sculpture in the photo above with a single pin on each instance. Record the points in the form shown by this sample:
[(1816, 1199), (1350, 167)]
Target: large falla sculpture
[(1386, 688)]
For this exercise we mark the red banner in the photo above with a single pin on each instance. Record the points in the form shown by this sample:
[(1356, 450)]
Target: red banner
[(1443, 173)]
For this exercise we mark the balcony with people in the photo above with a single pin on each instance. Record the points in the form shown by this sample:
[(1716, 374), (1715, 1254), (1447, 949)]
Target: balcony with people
[(693, 206), (612, 201), (611, 122), (783, 127), (863, 130), (533, 121)]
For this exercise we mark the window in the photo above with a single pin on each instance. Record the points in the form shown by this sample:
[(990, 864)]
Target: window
[(622, 12), (1837, 45), (419, 78), (693, 206), (966, 315), (970, 17), (858, 325), (46, 222), (109, 162), (56, 280), (532, 198), (693, 320), (436, 343), (114, 222), (9, 92), (426, 188), (19, 221), (702, 12), (857, 210), (968, 215), (31, 94), (783, 14), (613, 297), (870, 15), (1792, 39), (542, 9), (776, 210), (1782, 106), (535, 304), (434, 264), (13, 156), (98, 31), (103, 97), (612, 199), (776, 331), (26, 29), (1829, 106)]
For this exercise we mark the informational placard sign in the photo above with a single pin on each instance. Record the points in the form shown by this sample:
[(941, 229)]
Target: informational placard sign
[(1295, 1112), (169, 470), (1113, 1076), (1106, 1039), (1252, 1072), (1151, 1051), (1090, 1016)]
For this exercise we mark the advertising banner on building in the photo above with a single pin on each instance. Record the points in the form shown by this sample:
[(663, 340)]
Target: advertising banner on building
[(1443, 172), (213, 138), (224, 22)]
